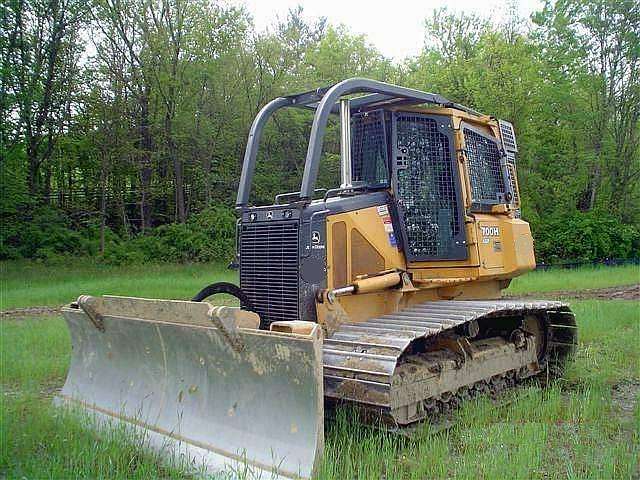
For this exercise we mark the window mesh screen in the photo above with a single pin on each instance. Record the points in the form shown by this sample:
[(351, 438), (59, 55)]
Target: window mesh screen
[(426, 188), (369, 148), (485, 169)]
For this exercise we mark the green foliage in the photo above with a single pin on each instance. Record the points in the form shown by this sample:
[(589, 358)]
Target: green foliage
[(585, 237), (13, 188), (149, 131), (44, 233), (207, 236), (47, 234)]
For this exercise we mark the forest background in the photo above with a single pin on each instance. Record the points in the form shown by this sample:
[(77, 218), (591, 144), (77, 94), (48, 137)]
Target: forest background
[(123, 122)]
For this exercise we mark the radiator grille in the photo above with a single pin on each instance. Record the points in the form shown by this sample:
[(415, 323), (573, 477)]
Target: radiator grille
[(513, 179), (426, 188), (485, 169), (269, 269)]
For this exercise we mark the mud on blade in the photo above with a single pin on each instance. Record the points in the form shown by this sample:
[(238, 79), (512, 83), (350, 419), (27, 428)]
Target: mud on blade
[(200, 387)]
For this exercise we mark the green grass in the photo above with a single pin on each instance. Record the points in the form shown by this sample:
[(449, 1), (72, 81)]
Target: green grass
[(40, 441), (582, 278), (26, 284), (34, 353), (574, 429), (571, 430)]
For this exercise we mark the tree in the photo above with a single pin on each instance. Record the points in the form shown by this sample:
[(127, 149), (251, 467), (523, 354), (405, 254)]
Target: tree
[(40, 62), (122, 52), (599, 43)]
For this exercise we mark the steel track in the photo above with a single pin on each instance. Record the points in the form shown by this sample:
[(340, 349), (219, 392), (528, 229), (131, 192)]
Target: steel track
[(361, 360)]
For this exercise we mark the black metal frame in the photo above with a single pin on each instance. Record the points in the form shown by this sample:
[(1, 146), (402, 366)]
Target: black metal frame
[(325, 102)]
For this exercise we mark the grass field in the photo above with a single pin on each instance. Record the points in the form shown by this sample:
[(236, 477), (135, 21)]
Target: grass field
[(583, 426), (26, 284), (575, 279)]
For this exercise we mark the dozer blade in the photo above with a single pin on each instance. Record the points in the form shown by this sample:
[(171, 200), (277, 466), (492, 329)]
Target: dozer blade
[(198, 386)]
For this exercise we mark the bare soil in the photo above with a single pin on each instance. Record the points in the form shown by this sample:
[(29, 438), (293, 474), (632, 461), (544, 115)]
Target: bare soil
[(29, 312), (623, 292), (624, 396)]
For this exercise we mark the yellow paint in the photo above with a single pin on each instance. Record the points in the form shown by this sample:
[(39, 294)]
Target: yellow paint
[(370, 224), (499, 247)]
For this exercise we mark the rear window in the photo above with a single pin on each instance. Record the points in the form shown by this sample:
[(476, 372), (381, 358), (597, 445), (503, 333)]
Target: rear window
[(370, 148)]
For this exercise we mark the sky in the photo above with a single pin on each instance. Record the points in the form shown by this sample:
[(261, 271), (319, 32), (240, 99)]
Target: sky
[(395, 27)]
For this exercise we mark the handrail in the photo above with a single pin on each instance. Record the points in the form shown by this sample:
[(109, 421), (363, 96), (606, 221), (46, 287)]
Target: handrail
[(338, 190), (253, 142)]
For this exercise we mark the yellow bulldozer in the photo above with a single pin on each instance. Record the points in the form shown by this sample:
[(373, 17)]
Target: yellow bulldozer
[(383, 293)]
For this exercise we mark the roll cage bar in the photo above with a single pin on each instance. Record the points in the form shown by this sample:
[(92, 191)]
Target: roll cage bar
[(325, 102)]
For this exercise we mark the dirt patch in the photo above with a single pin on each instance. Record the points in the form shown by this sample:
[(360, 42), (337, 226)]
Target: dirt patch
[(624, 292), (46, 391), (29, 312), (624, 397)]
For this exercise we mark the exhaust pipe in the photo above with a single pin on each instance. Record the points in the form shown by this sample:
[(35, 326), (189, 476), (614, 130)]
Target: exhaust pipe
[(345, 143)]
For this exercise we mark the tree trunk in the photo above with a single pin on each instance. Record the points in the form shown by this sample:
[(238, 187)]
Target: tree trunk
[(145, 166), (178, 170), (103, 202), (47, 185), (206, 166), (34, 168)]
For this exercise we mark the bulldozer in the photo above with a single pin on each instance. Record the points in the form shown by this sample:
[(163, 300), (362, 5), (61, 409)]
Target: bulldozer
[(383, 293)]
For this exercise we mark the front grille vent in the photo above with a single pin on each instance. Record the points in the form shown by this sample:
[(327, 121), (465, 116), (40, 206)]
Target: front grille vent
[(513, 181), (269, 269)]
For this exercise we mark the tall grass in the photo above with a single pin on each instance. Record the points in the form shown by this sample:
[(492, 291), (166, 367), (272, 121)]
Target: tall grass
[(40, 441), (574, 429), (34, 353)]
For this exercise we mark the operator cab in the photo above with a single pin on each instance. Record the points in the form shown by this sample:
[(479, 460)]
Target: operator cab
[(440, 176)]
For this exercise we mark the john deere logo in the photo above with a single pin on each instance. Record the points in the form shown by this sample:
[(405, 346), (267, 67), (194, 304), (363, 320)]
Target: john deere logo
[(315, 237)]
